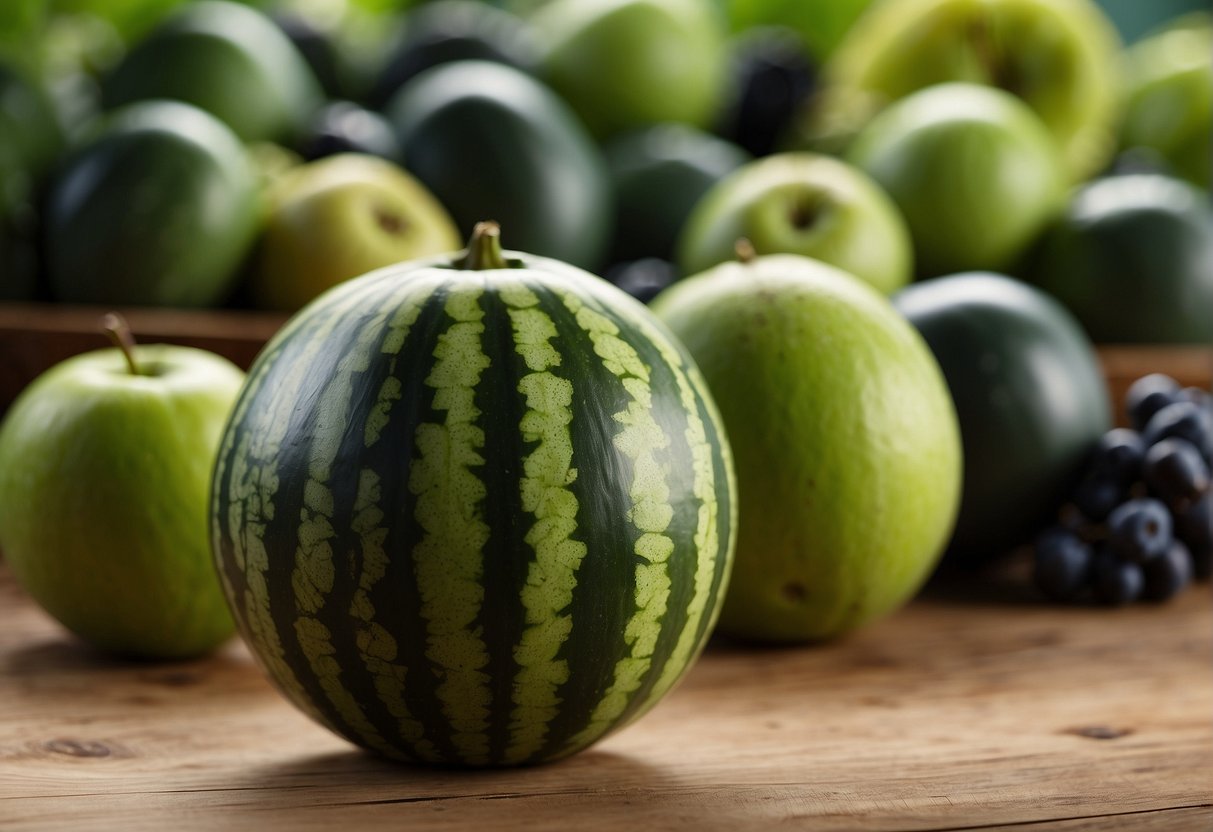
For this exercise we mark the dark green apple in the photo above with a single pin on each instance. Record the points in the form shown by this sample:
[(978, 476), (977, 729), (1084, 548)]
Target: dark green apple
[(104, 488), (228, 59), (806, 204), (1029, 394), (1132, 258), (658, 174), (492, 142), (625, 63), (1060, 56), (973, 170), (160, 208), (1169, 108)]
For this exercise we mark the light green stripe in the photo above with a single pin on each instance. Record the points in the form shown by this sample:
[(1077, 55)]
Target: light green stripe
[(315, 568), (376, 646), (547, 473), (449, 559), (254, 483), (707, 543), (640, 440)]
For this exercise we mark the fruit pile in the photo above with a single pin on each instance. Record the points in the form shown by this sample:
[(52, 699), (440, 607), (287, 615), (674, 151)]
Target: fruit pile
[(476, 505), (1140, 525), (637, 139)]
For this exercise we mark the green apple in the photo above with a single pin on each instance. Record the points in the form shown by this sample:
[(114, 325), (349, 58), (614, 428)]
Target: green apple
[(104, 487), (1060, 56), (228, 59), (973, 170), (1132, 258), (844, 437), (625, 63), (1170, 97), (801, 203), (340, 217)]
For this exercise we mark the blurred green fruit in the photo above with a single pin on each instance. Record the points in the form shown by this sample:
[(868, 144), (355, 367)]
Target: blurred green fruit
[(338, 218), (159, 209), (625, 63), (973, 170), (1132, 258), (1030, 396), (492, 143), (1060, 56), (821, 23), (844, 439), (801, 203), (1170, 97), (228, 59), (658, 174), (454, 30)]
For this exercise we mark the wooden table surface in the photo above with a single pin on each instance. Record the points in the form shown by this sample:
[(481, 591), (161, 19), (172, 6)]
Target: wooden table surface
[(974, 707)]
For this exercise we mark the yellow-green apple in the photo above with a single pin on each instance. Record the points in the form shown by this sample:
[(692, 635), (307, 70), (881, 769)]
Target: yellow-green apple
[(340, 217), (105, 466)]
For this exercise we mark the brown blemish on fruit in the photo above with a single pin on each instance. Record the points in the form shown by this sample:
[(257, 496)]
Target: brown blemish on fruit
[(794, 592), (390, 221)]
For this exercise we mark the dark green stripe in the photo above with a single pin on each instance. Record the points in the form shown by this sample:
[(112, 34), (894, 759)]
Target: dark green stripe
[(395, 597), (351, 458), (508, 556), (605, 595)]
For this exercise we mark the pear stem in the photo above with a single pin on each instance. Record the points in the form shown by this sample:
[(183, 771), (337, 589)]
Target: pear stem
[(119, 332), (484, 249), (744, 250)]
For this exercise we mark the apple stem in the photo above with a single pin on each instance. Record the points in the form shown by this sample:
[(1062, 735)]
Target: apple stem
[(484, 249), (744, 250), (119, 332)]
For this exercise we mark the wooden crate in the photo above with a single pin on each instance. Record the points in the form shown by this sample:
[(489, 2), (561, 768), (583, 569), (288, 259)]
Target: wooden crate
[(34, 337)]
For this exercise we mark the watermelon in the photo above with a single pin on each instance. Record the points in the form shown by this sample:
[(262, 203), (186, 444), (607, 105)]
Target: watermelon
[(475, 510)]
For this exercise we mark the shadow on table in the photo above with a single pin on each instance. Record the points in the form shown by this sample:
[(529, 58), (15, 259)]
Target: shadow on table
[(591, 787)]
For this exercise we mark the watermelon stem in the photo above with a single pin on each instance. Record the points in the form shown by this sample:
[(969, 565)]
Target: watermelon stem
[(119, 332), (484, 249)]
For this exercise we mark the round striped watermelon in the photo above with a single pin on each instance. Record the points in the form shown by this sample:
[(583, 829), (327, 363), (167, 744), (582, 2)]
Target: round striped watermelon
[(475, 510)]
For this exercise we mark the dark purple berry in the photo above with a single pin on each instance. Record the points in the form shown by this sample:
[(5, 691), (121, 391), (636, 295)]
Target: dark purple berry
[(1148, 395), (772, 77), (1175, 471), (1139, 530), (1117, 582), (1194, 526), (1062, 564), (1095, 497), (1182, 420), (642, 279), (1197, 395), (1167, 575), (1118, 456)]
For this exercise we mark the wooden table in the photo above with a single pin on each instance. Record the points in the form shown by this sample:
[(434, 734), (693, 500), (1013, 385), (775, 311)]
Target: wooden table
[(976, 706)]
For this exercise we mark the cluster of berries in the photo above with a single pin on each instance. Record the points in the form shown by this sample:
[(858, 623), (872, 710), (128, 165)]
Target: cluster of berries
[(1140, 526)]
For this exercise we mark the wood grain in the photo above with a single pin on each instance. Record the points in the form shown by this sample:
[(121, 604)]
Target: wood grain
[(976, 706)]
